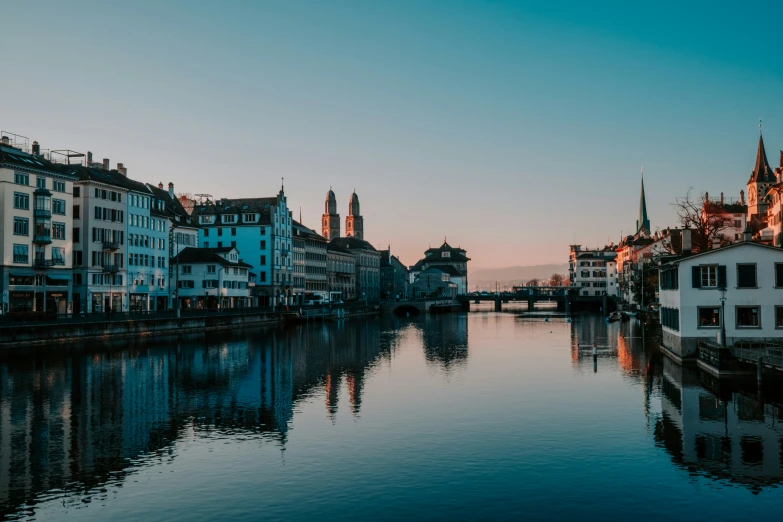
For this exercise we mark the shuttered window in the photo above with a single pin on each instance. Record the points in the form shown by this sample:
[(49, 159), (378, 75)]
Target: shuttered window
[(746, 275)]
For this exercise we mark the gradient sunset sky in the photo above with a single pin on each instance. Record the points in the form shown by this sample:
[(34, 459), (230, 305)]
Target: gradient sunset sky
[(513, 128)]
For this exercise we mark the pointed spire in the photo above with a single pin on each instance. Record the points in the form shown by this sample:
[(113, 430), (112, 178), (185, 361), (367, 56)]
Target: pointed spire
[(643, 223), (761, 171)]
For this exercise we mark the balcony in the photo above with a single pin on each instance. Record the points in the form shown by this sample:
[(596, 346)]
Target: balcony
[(48, 263), (111, 245), (42, 213), (42, 239), (112, 269)]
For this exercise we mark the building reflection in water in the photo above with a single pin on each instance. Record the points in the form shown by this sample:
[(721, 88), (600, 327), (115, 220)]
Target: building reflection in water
[(79, 422), (727, 434), (445, 339)]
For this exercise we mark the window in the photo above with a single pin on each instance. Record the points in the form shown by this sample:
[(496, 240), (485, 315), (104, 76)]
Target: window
[(186, 269), (206, 232), (58, 206), (77, 192), (186, 283), (262, 275), (21, 179), (709, 317), (58, 186), (77, 258), (746, 275), (77, 212), (670, 318), (262, 230), (21, 254), (220, 231), (233, 243), (58, 255), (709, 276), (210, 269), (445, 254), (21, 201), (40, 182), (748, 317), (58, 230), (233, 231), (263, 260), (778, 275), (206, 244), (670, 278), (21, 226), (263, 247)]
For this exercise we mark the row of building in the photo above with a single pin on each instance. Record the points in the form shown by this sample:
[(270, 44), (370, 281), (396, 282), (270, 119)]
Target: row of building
[(718, 276), (79, 236)]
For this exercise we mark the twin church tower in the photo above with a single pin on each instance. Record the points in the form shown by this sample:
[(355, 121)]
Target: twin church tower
[(330, 224)]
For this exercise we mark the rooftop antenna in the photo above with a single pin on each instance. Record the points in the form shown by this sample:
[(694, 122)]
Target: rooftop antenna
[(282, 184)]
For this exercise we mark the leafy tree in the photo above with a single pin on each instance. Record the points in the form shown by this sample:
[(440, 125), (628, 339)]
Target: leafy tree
[(645, 278)]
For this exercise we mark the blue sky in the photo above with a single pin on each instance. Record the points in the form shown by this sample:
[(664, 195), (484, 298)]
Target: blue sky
[(512, 128)]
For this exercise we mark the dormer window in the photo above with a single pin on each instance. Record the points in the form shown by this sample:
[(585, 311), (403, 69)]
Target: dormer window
[(207, 220), (249, 218), (445, 254), (229, 218)]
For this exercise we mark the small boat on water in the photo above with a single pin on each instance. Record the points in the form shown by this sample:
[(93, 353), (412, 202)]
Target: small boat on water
[(614, 316)]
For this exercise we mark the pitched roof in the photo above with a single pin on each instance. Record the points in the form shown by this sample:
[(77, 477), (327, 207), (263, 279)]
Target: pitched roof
[(762, 172), (262, 206), (457, 254), (173, 207), (108, 177), (207, 255), (17, 158), (452, 271), (643, 223), (727, 247), (351, 243), (305, 232)]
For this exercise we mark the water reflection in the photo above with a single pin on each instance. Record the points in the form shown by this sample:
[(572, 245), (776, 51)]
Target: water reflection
[(75, 426), (76, 422), (731, 435)]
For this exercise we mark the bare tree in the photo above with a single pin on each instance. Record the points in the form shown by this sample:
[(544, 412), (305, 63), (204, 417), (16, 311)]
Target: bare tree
[(705, 218), (556, 280), (532, 282)]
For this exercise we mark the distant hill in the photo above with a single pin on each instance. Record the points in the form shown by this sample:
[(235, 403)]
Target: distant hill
[(514, 274)]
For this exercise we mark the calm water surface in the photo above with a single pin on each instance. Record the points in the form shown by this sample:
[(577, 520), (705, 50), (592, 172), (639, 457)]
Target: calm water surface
[(454, 417)]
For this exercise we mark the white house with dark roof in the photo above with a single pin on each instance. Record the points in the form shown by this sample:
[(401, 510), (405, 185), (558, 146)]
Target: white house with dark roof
[(211, 278), (745, 278), (452, 261)]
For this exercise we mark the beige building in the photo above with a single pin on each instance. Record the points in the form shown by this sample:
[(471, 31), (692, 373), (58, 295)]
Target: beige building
[(36, 198)]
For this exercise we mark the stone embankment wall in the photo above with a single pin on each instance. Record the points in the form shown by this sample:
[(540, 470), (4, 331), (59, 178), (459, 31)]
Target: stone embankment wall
[(15, 336)]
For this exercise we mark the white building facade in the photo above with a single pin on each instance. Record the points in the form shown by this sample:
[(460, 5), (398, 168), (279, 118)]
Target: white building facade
[(745, 279), (212, 278), (594, 272)]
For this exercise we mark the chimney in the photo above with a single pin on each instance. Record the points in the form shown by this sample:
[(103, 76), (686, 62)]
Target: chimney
[(106, 164), (160, 185), (687, 246), (36, 149), (6, 140), (721, 199), (742, 197), (122, 170), (171, 190), (747, 234), (89, 158)]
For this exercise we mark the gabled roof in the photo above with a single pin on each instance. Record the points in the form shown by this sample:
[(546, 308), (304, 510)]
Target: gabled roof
[(449, 270), (724, 248), (762, 172), (207, 255), (417, 266), (173, 207)]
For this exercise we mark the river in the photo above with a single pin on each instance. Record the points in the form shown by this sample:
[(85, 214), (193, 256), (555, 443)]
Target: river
[(494, 416)]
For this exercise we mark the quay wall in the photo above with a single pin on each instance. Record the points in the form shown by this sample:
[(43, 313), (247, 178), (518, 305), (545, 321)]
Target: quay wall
[(57, 333)]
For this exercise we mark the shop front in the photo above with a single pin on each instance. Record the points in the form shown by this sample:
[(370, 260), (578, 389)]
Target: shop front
[(139, 302)]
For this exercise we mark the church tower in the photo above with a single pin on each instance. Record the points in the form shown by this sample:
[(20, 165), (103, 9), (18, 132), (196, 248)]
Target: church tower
[(330, 223), (760, 180), (354, 222), (643, 223)]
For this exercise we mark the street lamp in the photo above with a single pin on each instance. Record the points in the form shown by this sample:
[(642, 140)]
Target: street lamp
[(723, 315)]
